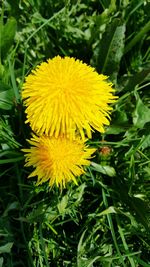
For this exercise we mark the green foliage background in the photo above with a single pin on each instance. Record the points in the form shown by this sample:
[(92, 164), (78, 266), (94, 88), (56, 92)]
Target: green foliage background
[(105, 220)]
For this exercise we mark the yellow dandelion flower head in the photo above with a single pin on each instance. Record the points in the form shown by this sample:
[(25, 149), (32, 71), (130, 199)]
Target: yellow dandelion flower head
[(66, 96), (57, 160)]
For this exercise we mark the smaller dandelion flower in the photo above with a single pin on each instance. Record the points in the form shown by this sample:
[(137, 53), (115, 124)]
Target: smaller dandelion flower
[(66, 96), (57, 160)]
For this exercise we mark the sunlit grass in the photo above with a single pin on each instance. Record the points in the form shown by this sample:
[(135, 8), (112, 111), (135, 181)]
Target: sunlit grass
[(104, 221)]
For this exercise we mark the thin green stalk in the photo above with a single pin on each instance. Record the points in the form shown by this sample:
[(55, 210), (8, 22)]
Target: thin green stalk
[(51, 228), (142, 263), (143, 155), (138, 5), (143, 86), (131, 173), (109, 218), (5, 161), (37, 247), (1, 25), (137, 37), (35, 32), (28, 201), (43, 246), (4, 172), (124, 242), (30, 261), (13, 80), (144, 163)]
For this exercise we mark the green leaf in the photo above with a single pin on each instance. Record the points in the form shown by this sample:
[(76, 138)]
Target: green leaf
[(141, 114), (107, 170), (90, 262), (137, 78), (7, 34), (6, 99), (119, 124), (4, 87), (37, 214), (11, 206), (1, 262), (81, 244), (6, 248), (111, 49), (140, 208), (7, 138), (146, 142), (6, 161), (2, 71), (63, 204), (78, 194), (111, 209), (6, 96), (143, 263), (115, 129)]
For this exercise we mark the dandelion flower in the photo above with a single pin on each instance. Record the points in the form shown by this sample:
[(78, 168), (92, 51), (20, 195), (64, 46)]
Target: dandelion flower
[(57, 160), (66, 96)]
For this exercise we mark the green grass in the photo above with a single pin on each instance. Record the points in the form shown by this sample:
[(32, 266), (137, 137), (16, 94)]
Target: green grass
[(104, 221)]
